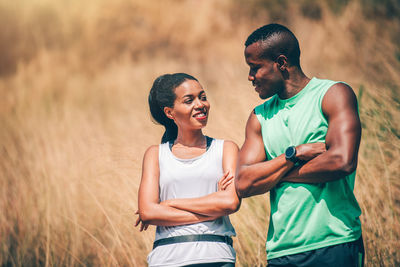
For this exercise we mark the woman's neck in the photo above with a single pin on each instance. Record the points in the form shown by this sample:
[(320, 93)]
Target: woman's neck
[(191, 138)]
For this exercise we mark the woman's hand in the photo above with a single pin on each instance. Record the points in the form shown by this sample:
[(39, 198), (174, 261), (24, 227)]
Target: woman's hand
[(226, 180), (143, 226), (306, 152)]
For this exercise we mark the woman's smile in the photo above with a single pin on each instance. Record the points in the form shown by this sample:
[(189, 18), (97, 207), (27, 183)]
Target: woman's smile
[(201, 115)]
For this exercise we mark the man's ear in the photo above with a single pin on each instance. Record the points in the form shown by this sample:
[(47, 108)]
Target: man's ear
[(282, 62), (168, 113)]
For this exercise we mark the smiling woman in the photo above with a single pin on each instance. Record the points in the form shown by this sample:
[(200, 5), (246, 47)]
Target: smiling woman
[(187, 187)]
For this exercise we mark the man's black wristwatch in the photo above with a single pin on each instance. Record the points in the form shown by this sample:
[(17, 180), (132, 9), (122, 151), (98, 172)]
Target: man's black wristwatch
[(290, 154)]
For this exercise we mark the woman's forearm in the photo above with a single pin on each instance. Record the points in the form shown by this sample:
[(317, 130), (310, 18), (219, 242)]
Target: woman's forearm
[(162, 215), (220, 203)]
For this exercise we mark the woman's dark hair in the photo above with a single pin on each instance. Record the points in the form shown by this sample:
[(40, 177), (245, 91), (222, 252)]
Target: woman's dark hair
[(162, 94)]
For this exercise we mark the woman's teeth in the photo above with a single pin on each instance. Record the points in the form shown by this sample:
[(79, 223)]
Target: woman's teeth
[(200, 115)]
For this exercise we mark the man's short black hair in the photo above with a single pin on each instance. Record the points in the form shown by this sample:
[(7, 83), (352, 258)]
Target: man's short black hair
[(276, 40)]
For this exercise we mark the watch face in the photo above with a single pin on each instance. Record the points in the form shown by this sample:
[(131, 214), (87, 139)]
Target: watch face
[(290, 152)]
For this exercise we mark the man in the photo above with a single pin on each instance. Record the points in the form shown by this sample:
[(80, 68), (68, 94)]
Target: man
[(314, 215)]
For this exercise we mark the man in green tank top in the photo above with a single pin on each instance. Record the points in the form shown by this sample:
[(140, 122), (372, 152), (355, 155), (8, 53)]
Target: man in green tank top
[(314, 217)]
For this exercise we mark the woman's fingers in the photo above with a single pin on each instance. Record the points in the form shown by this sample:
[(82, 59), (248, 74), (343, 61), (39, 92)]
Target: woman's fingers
[(137, 221), (224, 177), (222, 180), (227, 182), (144, 226)]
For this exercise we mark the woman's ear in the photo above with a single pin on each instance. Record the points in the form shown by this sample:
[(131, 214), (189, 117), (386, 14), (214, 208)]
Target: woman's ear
[(168, 113)]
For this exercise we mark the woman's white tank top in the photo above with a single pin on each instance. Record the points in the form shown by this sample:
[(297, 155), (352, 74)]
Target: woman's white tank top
[(191, 178)]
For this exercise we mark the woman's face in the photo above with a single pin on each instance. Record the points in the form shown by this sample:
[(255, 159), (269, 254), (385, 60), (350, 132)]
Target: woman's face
[(191, 108)]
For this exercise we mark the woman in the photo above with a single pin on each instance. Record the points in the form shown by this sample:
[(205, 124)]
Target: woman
[(184, 173)]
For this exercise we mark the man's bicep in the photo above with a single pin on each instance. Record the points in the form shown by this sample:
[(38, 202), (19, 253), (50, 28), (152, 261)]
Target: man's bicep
[(252, 150), (344, 129)]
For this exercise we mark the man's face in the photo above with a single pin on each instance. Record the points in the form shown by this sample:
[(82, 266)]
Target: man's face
[(264, 73)]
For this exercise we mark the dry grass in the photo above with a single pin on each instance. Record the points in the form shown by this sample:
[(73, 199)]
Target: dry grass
[(74, 119)]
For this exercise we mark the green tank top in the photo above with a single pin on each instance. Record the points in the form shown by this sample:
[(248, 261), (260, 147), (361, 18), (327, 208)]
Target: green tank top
[(305, 216)]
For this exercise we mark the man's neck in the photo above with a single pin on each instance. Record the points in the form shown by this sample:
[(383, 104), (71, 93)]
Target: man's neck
[(295, 82)]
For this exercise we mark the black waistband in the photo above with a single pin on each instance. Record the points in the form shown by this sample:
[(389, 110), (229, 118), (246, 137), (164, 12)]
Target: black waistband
[(193, 238)]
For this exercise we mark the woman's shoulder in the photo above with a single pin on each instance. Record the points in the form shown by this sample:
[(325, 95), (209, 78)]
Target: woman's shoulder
[(230, 145), (226, 143), (151, 151)]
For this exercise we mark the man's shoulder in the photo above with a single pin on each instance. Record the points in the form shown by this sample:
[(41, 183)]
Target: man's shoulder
[(260, 109), (330, 83), (319, 87)]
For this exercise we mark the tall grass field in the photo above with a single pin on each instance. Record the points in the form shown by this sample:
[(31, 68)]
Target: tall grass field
[(74, 119)]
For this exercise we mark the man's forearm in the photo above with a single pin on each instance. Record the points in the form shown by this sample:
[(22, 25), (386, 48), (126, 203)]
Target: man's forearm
[(261, 177), (327, 167)]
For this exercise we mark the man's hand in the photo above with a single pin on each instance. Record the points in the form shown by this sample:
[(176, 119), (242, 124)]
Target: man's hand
[(306, 152)]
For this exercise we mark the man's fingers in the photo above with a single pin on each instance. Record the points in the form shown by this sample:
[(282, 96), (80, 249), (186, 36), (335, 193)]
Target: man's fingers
[(146, 226)]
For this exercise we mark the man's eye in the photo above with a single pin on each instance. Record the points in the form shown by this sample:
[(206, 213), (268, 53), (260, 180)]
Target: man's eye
[(188, 101)]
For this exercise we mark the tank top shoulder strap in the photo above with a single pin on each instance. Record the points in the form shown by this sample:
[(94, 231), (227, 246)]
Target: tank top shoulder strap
[(218, 147), (162, 151)]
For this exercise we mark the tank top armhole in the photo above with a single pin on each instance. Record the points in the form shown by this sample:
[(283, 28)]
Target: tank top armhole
[(161, 152), (220, 150), (219, 144), (322, 95), (258, 111)]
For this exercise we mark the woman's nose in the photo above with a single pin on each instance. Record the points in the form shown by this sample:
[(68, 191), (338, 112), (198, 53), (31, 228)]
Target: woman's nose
[(250, 77), (199, 103)]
